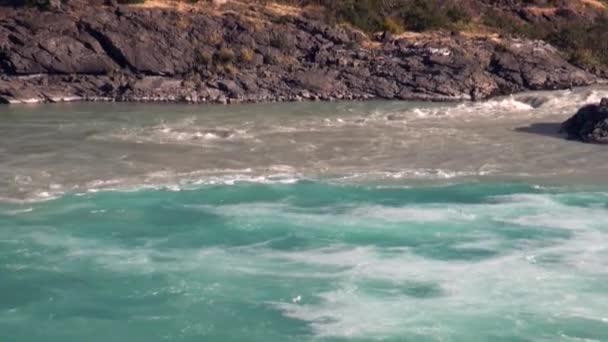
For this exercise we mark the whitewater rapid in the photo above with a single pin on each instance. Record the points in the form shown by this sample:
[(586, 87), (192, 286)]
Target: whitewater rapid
[(47, 150), (308, 261), (345, 221)]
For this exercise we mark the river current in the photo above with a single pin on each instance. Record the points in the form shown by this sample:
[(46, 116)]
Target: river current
[(392, 221)]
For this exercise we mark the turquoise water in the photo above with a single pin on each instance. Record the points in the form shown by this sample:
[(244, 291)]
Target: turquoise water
[(302, 261), (345, 221)]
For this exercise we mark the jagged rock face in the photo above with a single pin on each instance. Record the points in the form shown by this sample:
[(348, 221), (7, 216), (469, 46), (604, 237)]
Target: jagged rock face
[(534, 65), (132, 53), (589, 124), (50, 44)]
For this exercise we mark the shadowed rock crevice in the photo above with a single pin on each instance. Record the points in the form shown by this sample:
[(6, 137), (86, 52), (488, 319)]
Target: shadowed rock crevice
[(5, 66), (110, 49)]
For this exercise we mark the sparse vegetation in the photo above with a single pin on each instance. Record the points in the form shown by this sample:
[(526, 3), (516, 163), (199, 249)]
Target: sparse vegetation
[(392, 25), (280, 41), (393, 15), (288, 60), (214, 37), (224, 56), (246, 55), (585, 42), (205, 58), (230, 69), (457, 14)]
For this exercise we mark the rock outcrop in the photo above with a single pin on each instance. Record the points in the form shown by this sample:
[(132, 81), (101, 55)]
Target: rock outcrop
[(132, 53), (589, 124)]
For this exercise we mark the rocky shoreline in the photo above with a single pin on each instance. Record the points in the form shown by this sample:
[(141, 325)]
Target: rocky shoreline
[(115, 52)]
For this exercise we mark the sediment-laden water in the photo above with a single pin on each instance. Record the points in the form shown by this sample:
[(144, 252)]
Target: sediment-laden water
[(299, 222)]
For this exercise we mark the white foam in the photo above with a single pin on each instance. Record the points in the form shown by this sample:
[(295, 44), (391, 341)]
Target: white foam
[(566, 102), (104, 183), (16, 212), (494, 107), (516, 276), (436, 213), (508, 104), (572, 219), (351, 311), (537, 103), (183, 132), (191, 180), (411, 174), (33, 197), (360, 217)]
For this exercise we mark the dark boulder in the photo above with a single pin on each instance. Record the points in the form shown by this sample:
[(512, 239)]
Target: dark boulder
[(589, 124)]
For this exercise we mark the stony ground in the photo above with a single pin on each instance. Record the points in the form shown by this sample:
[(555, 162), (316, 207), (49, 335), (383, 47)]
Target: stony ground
[(254, 53)]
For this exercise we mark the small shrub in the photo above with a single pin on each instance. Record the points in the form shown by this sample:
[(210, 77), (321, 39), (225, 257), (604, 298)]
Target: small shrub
[(584, 58), (288, 60), (224, 56), (365, 14), (131, 1), (272, 59), (503, 23), (280, 41), (423, 15), (231, 69), (392, 25), (283, 19), (458, 14), (205, 58), (501, 47), (213, 37), (183, 22), (246, 55)]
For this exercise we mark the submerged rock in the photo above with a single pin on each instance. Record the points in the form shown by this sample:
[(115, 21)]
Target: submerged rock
[(589, 124)]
